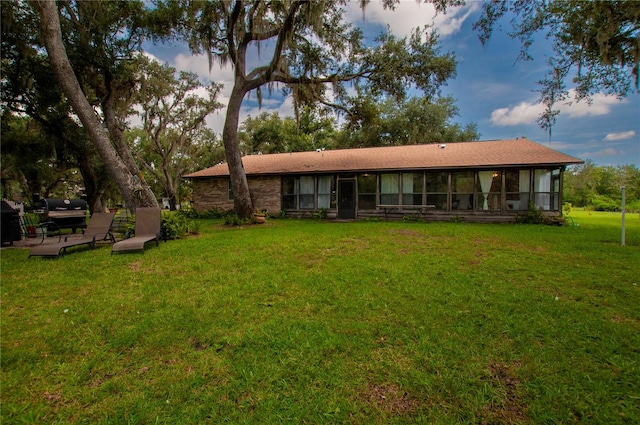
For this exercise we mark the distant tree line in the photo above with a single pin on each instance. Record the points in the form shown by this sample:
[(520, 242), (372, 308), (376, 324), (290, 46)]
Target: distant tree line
[(599, 187)]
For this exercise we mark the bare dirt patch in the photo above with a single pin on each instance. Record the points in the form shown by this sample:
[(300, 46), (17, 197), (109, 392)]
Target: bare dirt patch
[(512, 410), (390, 398)]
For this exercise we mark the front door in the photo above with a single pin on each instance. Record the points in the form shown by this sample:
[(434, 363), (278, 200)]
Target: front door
[(347, 199)]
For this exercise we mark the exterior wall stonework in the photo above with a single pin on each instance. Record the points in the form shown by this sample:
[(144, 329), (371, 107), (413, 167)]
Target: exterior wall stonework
[(209, 194), (266, 193), (212, 193)]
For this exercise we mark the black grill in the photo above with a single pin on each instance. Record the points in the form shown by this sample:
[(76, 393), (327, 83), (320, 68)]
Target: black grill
[(10, 226), (65, 213)]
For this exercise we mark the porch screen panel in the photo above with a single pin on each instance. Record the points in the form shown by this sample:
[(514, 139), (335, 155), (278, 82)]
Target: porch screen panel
[(490, 188), (517, 187), (366, 191), (389, 190), (326, 192), (555, 187), (437, 185), (462, 190), (412, 189), (307, 192), (289, 193), (542, 189)]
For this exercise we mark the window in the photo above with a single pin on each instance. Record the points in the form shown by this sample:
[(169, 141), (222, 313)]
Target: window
[(289, 193), (462, 184), (389, 189), (489, 188), (366, 191), (412, 189), (307, 192), (437, 185), (326, 192), (517, 189), (546, 187)]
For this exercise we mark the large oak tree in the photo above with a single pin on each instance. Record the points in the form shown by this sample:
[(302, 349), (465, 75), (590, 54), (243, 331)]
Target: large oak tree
[(308, 49), (104, 40)]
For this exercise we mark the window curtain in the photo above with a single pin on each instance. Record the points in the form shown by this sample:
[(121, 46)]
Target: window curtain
[(389, 189), (306, 191), (486, 178), (306, 185), (389, 183), (543, 181), (407, 183), (407, 189), (524, 187), (324, 191)]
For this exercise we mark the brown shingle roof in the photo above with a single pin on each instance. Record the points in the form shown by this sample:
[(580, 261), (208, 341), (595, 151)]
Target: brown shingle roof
[(494, 153)]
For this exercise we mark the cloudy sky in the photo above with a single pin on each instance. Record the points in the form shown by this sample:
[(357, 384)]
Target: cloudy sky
[(491, 88)]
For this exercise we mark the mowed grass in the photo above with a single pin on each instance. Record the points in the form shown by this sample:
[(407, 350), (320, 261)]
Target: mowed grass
[(322, 322)]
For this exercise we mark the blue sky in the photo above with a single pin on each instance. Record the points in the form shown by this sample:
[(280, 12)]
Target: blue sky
[(491, 88)]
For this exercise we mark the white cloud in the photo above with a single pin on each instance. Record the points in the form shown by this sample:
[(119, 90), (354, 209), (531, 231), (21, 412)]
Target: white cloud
[(600, 153), (528, 112), (623, 135), (410, 14), (601, 105), (523, 113)]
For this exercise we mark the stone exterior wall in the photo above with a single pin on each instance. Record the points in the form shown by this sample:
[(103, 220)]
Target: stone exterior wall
[(212, 193), (266, 193), (209, 194)]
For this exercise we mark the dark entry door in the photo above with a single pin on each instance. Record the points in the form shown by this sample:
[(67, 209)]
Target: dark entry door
[(347, 199)]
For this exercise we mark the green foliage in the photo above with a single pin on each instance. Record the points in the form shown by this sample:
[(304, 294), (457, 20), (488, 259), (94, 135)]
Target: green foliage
[(233, 219), (412, 218), (604, 203), (268, 133), (379, 122), (457, 219), (321, 214), (598, 40), (176, 224), (210, 214), (172, 139), (533, 215), (586, 182), (633, 206)]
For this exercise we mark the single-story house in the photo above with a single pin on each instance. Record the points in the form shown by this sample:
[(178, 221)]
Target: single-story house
[(477, 181)]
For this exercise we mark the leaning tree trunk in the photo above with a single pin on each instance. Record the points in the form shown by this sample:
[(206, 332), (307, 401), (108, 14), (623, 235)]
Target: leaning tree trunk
[(132, 187), (241, 195)]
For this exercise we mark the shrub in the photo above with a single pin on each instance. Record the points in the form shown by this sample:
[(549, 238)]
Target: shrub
[(533, 215), (604, 203), (411, 218), (212, 213), (174, 224), (233, 219), (633, 206)]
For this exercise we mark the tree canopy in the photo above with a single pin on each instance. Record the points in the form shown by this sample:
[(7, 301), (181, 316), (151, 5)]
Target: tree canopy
[(172, 138), (310, 51), (596, 45)]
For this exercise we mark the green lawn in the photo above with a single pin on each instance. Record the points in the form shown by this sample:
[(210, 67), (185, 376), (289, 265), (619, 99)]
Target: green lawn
[(322, 323)]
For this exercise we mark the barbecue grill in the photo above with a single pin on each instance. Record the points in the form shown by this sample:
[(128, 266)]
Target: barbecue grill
[(10, 228), (64, 213)]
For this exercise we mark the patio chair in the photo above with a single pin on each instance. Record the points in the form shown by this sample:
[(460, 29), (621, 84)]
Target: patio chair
[(148, 224), (98, 229)]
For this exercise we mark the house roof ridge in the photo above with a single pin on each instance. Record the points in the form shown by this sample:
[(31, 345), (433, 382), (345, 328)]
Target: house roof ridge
[(478, 154)]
